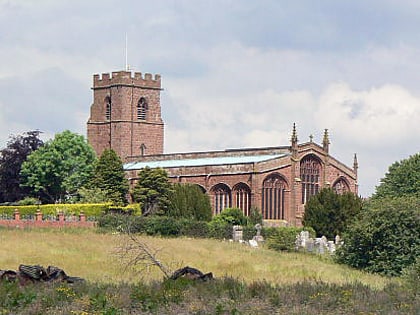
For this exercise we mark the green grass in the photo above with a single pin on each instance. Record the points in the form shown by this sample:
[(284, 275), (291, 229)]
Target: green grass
[(248, 281), (91, 255)]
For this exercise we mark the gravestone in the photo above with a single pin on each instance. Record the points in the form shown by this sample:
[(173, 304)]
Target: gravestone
[(237, 233), (258, 237)]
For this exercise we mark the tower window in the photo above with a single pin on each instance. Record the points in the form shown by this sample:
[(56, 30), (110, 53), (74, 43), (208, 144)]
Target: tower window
[(108, 108), (142, 109)]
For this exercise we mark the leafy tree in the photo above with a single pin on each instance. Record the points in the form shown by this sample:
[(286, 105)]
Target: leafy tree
[(329, 213), (109, 177), (386, 238), (402, 179), (189, 201), (59, 168), (152, 191), (91, 195), (11, 159)]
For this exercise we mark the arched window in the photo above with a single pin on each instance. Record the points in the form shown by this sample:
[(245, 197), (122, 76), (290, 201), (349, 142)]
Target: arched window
[(273, 197), (107, 108), (221, 197), (341, 186), (242, 194), (142, 109), (310, 172)]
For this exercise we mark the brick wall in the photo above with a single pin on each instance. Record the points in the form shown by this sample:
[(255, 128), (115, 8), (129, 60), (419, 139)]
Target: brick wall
[(38, 221)]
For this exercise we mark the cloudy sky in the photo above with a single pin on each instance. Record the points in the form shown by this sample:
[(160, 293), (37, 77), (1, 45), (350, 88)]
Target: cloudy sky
[(235, 73)]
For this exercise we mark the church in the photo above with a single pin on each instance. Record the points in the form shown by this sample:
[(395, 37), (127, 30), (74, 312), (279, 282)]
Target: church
[(126, 117)]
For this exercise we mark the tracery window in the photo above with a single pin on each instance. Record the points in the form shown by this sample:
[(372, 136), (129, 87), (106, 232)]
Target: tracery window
[(273, 197), (142, 108), (221, 198), (108, 108), (310, 172), (341, 186), (242, 195)]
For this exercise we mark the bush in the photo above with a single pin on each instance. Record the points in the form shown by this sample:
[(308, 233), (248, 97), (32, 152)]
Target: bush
[(189, 201), (330, 213), (90, 210), (283, 238), (386, 238)]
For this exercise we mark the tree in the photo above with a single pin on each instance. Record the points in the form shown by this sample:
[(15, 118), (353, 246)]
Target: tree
[(110, 178), (189, 201), (59, 168), (152, 191), (329, 213), (402, 179), (11, 159), (386, 238)]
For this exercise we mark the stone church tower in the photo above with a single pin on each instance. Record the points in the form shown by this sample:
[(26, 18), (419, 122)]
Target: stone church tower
[(126, 115)]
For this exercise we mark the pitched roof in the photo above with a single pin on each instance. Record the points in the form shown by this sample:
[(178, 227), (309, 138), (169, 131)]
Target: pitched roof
[(205, 161)]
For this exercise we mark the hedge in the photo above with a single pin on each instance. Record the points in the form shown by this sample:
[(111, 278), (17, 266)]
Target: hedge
[(90, 210)]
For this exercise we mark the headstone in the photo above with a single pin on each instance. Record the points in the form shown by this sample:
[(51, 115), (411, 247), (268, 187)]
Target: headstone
[(310, 245), (304, 237), (331, 247), (237, 233), (258, 237), (253, 243)]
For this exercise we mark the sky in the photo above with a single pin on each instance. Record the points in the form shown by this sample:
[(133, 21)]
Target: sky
[(235, 73)]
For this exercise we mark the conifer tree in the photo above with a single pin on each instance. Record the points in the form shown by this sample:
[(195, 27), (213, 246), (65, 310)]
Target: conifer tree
[(110, 178)]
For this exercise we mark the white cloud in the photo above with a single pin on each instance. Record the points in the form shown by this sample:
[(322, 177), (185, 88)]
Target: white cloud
[(378, 118)]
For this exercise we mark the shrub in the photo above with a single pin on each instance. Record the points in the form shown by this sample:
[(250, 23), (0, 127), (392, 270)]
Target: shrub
[(189, 201), (283, 238), (330, 213), (90, 210), (386, 238)]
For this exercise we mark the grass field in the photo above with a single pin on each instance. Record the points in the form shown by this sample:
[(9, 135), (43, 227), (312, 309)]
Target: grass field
[(247, 281), (92, 255)]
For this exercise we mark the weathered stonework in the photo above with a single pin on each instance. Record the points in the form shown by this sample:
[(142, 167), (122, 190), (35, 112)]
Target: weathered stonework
[(123, 131), (271, 179)]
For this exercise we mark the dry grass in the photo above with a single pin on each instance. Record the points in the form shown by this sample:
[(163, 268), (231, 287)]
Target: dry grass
[(87, 254)]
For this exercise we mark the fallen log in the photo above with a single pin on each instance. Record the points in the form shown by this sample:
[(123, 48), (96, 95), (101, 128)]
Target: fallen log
[(191, 273), (35, 273)]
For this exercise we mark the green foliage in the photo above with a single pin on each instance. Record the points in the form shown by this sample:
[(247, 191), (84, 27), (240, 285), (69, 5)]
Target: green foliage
[(233, 216), (329, 213), (11, 160), (90, 210), (255, 216), (91, 195), (223, 295), (153, 225), (152, 191), (189, 201), (28, 201), (58, 169), (402, 179), (109, 177), (411, 277), (386, 238), (283, 238)]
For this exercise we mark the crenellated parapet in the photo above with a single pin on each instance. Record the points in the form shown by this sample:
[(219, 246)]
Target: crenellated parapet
[(127, 78)]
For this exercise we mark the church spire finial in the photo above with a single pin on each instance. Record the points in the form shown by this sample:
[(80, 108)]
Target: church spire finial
[(326, 141), (294, 141), (355, 163), (294, 135)]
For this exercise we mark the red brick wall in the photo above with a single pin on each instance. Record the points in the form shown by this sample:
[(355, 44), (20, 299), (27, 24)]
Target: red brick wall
[(124, 133)]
